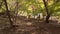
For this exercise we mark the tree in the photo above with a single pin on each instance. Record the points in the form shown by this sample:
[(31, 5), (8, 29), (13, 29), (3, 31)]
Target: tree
[(11, 23), (48, 15), (16, 9)]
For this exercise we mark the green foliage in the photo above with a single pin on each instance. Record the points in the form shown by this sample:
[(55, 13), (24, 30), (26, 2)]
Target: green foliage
[(25, 6), (54, 8)]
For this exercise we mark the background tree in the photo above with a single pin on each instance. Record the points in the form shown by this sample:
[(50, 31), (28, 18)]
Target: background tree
[(8, 14), (47, 11)]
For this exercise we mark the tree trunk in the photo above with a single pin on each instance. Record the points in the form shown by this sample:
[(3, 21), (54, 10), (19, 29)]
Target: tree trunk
[(11, 23), (16, 13), (48, 15)]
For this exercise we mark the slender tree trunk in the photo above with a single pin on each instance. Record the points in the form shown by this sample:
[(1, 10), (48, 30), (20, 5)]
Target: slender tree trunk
[(16, 10), (48, 15), (11, 23)]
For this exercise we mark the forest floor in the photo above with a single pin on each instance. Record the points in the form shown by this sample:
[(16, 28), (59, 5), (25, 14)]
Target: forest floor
[(28, 26)]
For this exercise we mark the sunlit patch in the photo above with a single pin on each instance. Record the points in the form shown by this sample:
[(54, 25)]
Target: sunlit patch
[(40, 0), (29, 23), (55, 8), (58, 6), (29, 8), (42, 5), (50, 3), (0, 10)]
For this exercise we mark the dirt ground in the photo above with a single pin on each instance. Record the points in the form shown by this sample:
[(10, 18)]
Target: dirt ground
[(28, 26)]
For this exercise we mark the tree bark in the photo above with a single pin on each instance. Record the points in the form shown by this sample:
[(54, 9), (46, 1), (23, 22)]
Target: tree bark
[(11, 23), (48, 15)]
